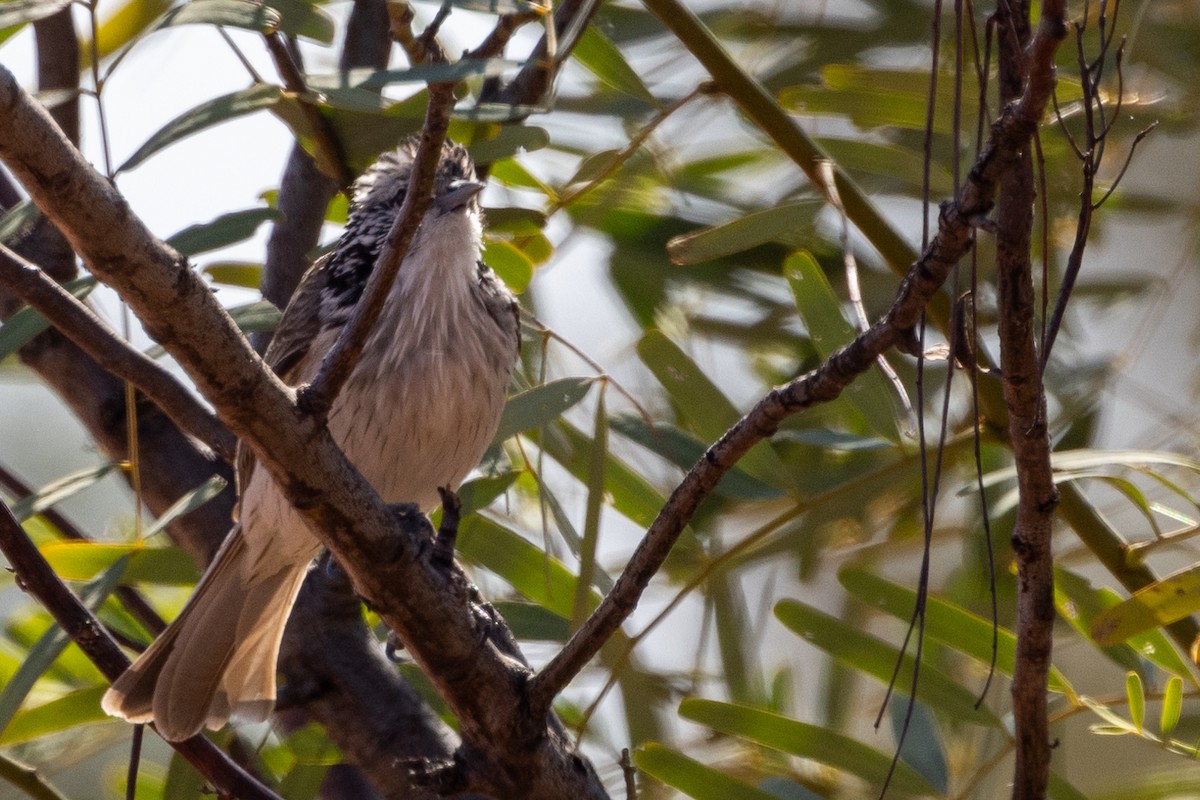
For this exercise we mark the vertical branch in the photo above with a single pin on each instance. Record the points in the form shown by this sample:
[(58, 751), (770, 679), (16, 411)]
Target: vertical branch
[(1025, 398)]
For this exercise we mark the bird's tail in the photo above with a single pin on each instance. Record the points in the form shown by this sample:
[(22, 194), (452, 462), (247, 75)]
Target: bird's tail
[(216, 661)]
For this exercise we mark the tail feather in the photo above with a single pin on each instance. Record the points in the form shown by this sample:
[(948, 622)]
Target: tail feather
[(217, 659)]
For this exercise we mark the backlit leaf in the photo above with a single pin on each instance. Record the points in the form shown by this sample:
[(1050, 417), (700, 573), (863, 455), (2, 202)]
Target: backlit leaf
[(540, 405)]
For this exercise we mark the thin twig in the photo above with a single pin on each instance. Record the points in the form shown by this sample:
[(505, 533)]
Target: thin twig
[(81, 326), (318, 396)]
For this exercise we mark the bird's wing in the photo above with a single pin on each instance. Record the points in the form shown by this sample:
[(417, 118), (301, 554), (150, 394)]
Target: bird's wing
[(299, 327)]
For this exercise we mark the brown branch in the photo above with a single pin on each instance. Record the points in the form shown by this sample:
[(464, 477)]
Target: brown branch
[(339, 362), (37, 578), (1010, 134), (508, 748), (533, 83), (84, 328)]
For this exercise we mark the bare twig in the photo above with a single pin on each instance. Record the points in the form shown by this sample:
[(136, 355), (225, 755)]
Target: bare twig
[(85, 630), (84, 328)]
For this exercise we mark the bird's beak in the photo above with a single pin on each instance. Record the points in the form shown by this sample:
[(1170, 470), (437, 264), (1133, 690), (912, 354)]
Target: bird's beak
[(458, 195)]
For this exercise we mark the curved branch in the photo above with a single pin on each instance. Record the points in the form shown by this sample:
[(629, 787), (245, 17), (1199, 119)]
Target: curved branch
[(1010, 134)]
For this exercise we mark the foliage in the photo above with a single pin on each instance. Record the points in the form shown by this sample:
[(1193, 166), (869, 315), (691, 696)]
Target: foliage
[(768, 642)]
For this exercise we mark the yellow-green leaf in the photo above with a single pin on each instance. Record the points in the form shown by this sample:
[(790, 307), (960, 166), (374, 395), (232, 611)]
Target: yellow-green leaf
[(1158, 604)]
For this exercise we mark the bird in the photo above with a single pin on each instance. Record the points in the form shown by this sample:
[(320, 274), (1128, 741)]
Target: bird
[(416, 414)]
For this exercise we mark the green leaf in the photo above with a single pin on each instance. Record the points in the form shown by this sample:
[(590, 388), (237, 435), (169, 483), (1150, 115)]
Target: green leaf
[(692, 777), (628, 492), (789, 224), (531, 622), (48, 648), (684, 450), (223, 231), (1079, 604), (19, 329), (18, 12), (1059, 789), (235, 273), (302, 18), (707, 409), (258, 17), (1136, 695), (828, 330), (376, 79), (58, 490), (15, 219), (804, 740), (591, 517), (536, 575), (478, 493), (75, 708), (874, 657), (540, 405), (205, 115), (922, 747), (514, 267), (507, 142), (499, 6), (600, 56), (1153, 606), (79, 561), (945, 622), (1172, 705), (1068, 463), (189, 502)]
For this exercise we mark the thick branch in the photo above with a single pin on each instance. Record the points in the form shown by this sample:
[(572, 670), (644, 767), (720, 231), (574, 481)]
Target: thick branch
[(1010, 134), (37, 578), (511, 749), (81, 326)]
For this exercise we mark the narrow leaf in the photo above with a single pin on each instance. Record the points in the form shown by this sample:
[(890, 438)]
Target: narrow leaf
[(57, 491), (1136, 695), (536, 575), (597, 53), (804, 740), (540, 405), (75, 708), (19, 329), (499, 6), (707, 409), (251, 16), (1172, 705), (828, 329), (18, 12), (189, 502), (591, 517), (80, 561), (693, 778), (1153, 606), (16, 218), (223, 231), (514, 267), (922, 748), (877, 658), (235, 273), (945, 622), (788, 224), (206, 115)]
